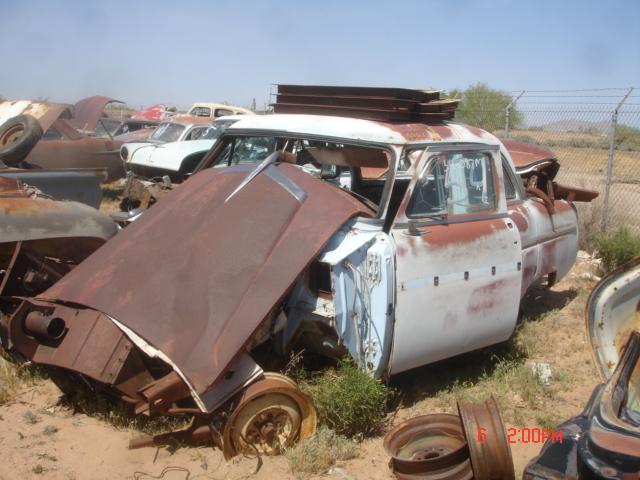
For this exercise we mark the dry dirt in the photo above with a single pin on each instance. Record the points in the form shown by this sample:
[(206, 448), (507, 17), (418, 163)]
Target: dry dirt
[(42, 439)]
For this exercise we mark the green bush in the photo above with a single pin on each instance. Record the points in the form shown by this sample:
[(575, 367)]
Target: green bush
[(617, 248), (349, 401)]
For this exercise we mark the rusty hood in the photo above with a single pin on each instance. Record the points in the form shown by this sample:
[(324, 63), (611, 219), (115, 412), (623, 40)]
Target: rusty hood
[(88, 111), (613, 312), (199, 272)]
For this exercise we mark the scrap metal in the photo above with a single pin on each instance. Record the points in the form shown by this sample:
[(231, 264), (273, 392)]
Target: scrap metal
[(603, 442)]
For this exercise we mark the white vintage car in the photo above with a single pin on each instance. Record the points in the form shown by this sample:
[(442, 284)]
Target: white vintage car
[(175, 158)]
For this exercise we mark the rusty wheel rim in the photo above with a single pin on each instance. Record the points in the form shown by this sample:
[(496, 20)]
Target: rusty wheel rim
[(490, 459), (12, 135), (268, 424), (281, 414), (429, 447)]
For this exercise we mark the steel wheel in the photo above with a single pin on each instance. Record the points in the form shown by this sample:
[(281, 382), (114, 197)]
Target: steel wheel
[(269, 424), (270, 415)]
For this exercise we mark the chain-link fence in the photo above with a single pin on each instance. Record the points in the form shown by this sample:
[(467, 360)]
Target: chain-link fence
[(596, 136)]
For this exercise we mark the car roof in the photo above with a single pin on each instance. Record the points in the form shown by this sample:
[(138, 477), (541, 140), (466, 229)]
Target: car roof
[(365, 130)]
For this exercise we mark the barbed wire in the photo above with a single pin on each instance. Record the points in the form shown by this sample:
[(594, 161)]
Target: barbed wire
[(571, 90)]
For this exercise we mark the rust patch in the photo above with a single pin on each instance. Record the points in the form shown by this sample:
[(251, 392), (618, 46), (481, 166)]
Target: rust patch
[(486, 298), (445, 235)]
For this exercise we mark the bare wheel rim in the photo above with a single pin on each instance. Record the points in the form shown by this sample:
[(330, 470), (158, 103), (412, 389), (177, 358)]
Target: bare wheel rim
[(12, 135), (268, 424)]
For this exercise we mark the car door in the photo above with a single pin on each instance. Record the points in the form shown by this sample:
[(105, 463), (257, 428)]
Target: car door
[(458, 258)]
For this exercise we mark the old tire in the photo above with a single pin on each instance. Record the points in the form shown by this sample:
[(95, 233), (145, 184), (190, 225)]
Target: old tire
[(18, 136)]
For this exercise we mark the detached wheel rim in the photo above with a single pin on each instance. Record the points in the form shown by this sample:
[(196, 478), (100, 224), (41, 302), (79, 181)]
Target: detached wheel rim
[(12, 135), (270, 415), (269, 424)]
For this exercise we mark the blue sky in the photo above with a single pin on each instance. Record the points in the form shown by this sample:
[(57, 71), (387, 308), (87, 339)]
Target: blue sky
[(178, 52)]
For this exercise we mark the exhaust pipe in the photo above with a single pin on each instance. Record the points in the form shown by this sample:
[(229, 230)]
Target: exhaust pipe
[(47, 326)]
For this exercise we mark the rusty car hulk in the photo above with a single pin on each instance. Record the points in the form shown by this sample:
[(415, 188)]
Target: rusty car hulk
[(42, 239), (343, 235), (603, 442)]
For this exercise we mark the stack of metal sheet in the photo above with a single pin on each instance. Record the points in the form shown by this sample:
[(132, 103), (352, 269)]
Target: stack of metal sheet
[(370, 103)]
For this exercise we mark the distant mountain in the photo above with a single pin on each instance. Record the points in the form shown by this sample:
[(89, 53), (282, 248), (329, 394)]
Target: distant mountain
[(574, 125)]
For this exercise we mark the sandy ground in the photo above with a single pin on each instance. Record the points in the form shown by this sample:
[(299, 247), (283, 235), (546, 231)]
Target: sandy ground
[(54, 443)]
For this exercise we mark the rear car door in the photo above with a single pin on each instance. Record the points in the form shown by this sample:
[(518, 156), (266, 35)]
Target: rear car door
[(458, 277)]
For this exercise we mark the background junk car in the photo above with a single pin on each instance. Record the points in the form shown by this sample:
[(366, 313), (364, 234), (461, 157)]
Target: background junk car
[(64, 145), (215, 110), (22, 124), (345, 235), (146, 163), (604, 440), (42, 239)]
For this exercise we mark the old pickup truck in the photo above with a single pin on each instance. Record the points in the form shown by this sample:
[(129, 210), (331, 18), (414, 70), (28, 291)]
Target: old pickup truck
[(399, 238)]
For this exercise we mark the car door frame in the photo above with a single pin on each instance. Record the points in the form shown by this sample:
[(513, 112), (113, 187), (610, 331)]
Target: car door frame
[(445, 304)]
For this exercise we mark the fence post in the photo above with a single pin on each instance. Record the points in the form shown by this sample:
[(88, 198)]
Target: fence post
[(612, 150), (507, 113)]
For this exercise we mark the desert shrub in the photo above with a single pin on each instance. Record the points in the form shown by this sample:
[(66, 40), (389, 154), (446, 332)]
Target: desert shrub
[(617, 248), (627, 138), (317, 454), (348, 400)]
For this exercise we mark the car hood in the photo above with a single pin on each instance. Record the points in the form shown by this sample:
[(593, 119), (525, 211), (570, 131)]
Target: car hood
[(198, 273), (168, 156), (88, 111), (613, 312)]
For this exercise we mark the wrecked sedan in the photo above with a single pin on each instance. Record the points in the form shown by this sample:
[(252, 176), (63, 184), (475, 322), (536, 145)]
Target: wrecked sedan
[(603, 442), (21, 127), (68, 144), (41, 239), (399, 244)]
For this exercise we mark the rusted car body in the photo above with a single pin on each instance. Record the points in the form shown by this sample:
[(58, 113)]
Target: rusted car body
[(604, 441), (63, 145), (43, 239), (81, 184), (344, 235)]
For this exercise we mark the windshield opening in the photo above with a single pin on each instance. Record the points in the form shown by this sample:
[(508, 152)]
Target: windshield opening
[(167, 132), (346, 166)]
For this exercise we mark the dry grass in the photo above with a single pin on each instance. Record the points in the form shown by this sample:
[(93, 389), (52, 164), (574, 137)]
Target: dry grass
[(13, 377), (584, 157), (82, 398), (320, 452), (111, 197)]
